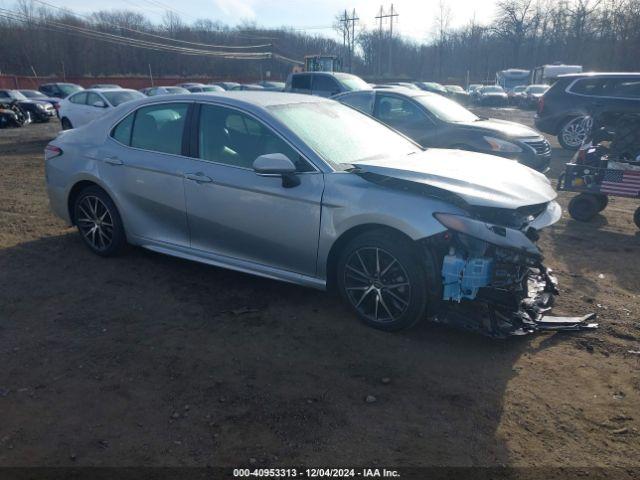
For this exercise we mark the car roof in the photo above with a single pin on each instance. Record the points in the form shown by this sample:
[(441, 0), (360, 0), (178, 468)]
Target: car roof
[(598, 74), (263, 98), (103, 90)]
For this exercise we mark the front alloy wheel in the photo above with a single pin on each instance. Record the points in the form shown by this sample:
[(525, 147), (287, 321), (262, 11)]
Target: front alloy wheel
[(573, 133), (382, 278)]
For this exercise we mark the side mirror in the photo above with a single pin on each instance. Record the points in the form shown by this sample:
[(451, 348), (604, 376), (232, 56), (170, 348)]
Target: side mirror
[(99, 104), (277, 165)]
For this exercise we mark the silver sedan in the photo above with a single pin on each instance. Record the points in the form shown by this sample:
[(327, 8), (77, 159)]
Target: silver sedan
[(309, 191)]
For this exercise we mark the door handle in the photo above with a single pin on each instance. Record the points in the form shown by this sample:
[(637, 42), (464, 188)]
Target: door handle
[(113, 160), (198, 177)]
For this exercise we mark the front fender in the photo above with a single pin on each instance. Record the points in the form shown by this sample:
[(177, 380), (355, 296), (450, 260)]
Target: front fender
[(350, 202)]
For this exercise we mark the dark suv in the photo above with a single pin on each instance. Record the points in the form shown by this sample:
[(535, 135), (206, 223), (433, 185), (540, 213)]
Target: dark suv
[(562, 109), (324, 84), (59, 90)]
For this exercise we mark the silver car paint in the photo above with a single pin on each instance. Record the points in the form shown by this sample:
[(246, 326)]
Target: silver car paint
[(285, 234)]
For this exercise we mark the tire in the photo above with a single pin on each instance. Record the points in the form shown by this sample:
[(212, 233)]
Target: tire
[(584, 207), (603, 201), (382, 277), (66, 124), (572, 133), (636, 217), (98, 222)]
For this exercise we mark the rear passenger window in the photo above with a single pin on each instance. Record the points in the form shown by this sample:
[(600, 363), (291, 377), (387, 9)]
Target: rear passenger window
[(122, 131), (325, 83), (302, 82), (588, 86), (160, 127)]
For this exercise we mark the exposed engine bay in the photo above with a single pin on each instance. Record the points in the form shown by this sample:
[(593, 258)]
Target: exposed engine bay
[(495, 289)]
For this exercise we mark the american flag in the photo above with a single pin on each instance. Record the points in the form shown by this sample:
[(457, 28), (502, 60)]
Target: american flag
[(621, 182)]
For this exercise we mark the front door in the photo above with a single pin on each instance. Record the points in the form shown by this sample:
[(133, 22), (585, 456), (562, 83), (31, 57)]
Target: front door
[(234, 212), (407, 117)]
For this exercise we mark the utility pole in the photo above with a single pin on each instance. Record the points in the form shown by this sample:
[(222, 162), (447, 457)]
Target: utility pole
[(391, 16), (348, 34), (380, 17)]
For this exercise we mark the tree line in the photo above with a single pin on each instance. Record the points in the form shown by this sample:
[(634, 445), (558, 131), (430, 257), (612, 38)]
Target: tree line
[(39, 38)]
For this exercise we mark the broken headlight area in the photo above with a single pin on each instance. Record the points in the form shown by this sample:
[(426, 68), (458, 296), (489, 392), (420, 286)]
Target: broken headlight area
[(497, 289)]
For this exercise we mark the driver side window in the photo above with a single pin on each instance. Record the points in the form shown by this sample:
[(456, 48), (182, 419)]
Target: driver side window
[(232, 138)]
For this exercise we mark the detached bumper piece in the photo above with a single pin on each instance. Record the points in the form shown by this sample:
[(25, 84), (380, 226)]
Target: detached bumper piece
[(502, 294)]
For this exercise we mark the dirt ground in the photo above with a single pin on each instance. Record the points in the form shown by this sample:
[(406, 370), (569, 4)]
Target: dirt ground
[(150, 360)]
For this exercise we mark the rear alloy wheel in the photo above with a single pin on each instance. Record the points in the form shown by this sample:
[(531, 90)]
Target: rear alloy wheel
[(573, 133), (584, 207), (66, 124), (383, 280), (98, 222)]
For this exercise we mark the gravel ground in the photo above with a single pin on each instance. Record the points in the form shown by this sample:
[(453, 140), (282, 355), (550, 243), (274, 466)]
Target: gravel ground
[(150, 360)]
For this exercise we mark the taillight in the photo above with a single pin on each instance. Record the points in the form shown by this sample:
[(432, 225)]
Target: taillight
[(540, 105), (51, 151)]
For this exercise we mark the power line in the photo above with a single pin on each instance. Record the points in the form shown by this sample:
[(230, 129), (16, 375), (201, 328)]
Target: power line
[(348, 33), (380, 17), (152, 34)]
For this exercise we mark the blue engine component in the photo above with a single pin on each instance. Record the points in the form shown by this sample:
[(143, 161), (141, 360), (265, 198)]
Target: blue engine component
[(462, 278)]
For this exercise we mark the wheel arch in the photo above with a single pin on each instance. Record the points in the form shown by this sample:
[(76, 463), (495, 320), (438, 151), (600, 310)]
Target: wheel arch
[(345, 238), (78, 186)]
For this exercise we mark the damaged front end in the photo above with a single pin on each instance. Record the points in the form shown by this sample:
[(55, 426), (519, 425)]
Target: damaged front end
[(492, 277)]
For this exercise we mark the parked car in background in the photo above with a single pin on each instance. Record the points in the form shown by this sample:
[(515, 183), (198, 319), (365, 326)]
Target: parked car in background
[(516, 94), (532, 95), (457, 93), (432, 87), (398, 84), (205, 89), (272, 86), (564, 106), (492, 95), (85, 106), (105, 85), (39, 111), (188, 85), (473, 91), (59, 90), (248, 86), (324, 84), (154, 91), (41, 97), (309, 191), (434, 121), (226, 85)]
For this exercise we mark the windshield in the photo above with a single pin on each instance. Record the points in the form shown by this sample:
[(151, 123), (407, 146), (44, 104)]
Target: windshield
[(454, 88), (352, 82), (492, 90), (341, 135), (213, 88), (445, 109), (519, 89), (16, 95), (32, 94), (69, 88), (117, 98), (538, 89), (176, 90)]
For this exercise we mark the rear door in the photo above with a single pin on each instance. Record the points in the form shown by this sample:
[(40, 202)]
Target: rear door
[(76, 110), (143, 165), (236, 213)]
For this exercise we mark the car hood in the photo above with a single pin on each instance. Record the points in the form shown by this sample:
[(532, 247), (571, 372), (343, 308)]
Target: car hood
[(503, 127), (493, 94), (479, 179)]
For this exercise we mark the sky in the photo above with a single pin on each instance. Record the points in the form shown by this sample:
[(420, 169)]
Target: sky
[(416, 17)]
